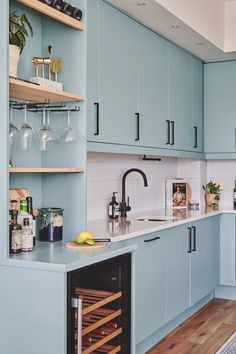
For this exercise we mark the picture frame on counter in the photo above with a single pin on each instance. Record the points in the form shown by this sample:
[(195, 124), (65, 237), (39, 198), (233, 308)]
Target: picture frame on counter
[(176, 194)]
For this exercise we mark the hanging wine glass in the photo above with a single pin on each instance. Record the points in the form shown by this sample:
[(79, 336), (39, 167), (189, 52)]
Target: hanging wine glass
[(68, 135), (52, 136), (26, 133), (45, 133), (13, 137)]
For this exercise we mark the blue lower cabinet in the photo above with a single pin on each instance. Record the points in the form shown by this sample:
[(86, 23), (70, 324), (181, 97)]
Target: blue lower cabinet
[(204, 257), (227, 250), (149, 285), (177, 271)]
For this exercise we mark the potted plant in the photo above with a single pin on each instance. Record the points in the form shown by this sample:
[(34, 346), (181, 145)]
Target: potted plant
[(213, 194), (19, 29)]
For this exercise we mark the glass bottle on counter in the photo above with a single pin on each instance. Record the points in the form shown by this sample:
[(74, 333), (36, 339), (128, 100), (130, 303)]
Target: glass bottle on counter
[(27, 236), (15, 234), (24, 213), (13, 206), (30, 212)]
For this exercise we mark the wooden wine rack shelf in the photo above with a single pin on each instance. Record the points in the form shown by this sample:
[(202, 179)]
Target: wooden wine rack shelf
[(97, 328)]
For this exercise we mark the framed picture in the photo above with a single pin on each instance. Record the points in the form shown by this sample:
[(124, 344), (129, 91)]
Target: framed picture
[(176, 193)]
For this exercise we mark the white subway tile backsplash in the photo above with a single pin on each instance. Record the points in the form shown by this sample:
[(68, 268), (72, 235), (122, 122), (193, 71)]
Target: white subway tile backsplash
[(105, 171)]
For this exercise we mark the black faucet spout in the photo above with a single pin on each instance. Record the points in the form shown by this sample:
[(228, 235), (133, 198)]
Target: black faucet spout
[(123, 207)]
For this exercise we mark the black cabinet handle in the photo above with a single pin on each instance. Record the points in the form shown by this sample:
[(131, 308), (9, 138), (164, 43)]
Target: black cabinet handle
[(189, 239), (97, 118), (168, 132), (138, 126), (195, 137), (152, 239), (172, 132), (194, 238)]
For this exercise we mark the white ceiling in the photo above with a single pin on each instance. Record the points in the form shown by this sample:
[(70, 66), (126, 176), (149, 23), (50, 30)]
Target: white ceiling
[(161, 20)]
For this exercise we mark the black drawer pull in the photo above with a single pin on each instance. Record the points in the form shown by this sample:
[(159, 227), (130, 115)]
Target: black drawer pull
[(172, 132), (138, 126), (195, 137), (194, 239), (152, 239), (168, 132), (189, 239), (97, 118)]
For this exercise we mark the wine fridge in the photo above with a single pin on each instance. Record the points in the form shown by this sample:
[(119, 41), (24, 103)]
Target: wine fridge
[(99, 308)]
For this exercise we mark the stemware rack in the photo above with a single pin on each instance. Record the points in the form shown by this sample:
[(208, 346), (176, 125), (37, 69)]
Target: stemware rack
[(40, 107), (96, 325)]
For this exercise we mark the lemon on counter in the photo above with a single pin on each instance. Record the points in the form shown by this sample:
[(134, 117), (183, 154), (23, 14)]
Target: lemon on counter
[(85, 237)]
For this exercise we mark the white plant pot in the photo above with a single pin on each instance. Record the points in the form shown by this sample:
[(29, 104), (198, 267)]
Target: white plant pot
[(14, 57)]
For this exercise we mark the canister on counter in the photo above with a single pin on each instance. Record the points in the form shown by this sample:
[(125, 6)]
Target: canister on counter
[(50, 224)]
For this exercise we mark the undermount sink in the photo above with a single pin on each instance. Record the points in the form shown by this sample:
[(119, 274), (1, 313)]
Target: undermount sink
[(157, 218)]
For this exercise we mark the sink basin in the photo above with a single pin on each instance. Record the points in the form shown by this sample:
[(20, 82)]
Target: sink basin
[(157, 218)]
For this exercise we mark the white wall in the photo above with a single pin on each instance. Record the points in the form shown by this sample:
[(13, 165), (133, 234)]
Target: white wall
[(230, 26), (104, 175), (204, 16)]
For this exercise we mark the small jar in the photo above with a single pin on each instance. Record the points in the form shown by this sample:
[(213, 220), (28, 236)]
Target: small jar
[(50, 224)]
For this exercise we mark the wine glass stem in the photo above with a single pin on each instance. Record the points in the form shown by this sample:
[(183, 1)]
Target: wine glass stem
[(25, 116), (44, 117), (68, 119), (11, 115)]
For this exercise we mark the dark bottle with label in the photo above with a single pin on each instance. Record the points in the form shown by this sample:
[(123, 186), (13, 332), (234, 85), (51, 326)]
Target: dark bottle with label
[(15, 234), (30, 212), (113, 207)]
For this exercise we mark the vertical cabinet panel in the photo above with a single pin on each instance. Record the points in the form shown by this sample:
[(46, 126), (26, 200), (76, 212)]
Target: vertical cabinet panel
[(150, 286), (177, 272), (227, 250), (153, 89), (118, 49), (219, 107), (180, 98), (197, 104)]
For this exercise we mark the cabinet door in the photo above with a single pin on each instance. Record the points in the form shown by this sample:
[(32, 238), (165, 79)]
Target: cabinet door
[(197, 104), (153, 89), (220, 105), (118, 49), (227, 250), (149, 285), (92, 72), (180, 99), (204, 258), (177, 268)]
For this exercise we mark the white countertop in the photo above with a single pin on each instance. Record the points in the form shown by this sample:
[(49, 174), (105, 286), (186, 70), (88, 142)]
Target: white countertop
[(126, 228)]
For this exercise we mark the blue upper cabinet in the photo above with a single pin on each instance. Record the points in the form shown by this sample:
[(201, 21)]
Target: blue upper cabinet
[(220, 107), (180, 99), (152, 89), (197, 104)]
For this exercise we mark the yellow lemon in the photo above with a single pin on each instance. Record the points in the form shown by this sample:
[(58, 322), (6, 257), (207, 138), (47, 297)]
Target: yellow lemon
[(83, 236)]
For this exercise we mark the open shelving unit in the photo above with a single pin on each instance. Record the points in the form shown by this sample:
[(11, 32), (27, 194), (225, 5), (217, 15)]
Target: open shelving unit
[(45, 170), (51, 12), (30, 92)]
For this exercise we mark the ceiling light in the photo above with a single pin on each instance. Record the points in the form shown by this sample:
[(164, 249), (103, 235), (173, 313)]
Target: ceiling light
[(200, 43), (142, 3), (175, 26)]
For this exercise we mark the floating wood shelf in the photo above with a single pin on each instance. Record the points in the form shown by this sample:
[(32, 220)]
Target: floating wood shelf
[(29, 92), (44, 170), (51, 12)]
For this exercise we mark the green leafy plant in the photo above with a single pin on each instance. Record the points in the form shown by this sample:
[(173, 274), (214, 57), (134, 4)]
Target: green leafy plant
[(213, 188), (18, 30)]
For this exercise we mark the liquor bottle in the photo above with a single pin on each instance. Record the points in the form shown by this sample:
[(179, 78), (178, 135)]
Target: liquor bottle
[(13, 206), (30, 212), (27, 236), (23, 213), (15, 234)]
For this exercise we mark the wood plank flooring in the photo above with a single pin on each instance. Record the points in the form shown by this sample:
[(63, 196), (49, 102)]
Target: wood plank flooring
[(204, 333)]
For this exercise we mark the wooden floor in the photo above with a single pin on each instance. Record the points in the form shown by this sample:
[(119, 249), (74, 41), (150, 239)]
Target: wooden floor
[(203, 333)]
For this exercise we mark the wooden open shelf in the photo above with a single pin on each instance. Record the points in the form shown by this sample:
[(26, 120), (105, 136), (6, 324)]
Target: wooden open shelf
[(29, 92), (44, 170), (51, 12)]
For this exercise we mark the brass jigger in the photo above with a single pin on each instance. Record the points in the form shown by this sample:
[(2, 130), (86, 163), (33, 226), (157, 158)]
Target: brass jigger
[(42, 61)]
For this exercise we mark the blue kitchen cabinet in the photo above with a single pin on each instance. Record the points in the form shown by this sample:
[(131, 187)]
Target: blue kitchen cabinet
[(177, 271), (204, 256), (112, 83), (219, 107), (152, 89), (227, 250), (197, 104), (150, 289), (180, 99)]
